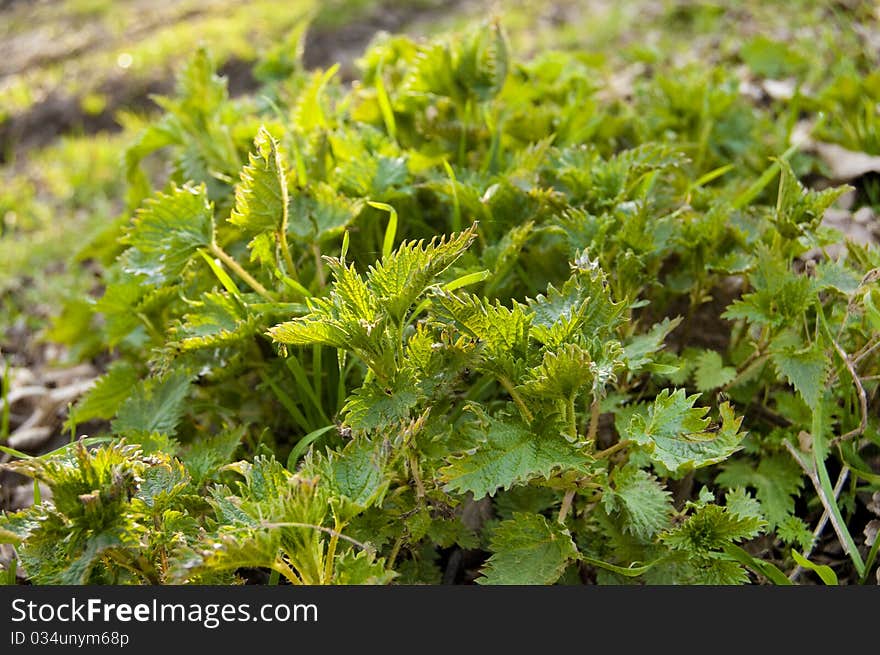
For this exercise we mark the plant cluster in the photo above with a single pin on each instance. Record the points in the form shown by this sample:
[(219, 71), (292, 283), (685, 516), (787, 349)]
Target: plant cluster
[(466, 304)]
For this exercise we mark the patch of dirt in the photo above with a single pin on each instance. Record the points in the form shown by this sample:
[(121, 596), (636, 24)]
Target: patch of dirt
[(344, 43), (60, 113)]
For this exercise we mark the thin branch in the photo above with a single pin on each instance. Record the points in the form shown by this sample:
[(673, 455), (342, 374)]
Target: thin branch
[(863, 398), (820, 527), (842, 534), (602, 454), (867, 351), (236, 268), (594, 421), (517, 398), (566, 505)]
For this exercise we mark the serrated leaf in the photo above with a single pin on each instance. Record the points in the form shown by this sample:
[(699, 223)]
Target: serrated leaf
[(357, 473), (360, 568), (710, 372), (805, 370), (398, 280), (562, 374), (799, 208), (374, 407), (512, 452), (795, 532), (528, 550), (676, 434), (644, 505), (216, 319), (261, 200), (710, 528), (502, 332), (320, 212), (167, 231), (834, 275), (104, 399), (205, 456), (776, 478), (638, 352), (741, 503), (583, 306), (156, 406)]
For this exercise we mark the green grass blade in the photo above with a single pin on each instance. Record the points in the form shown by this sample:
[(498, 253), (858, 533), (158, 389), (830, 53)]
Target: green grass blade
[(825, 573), (303, 445)]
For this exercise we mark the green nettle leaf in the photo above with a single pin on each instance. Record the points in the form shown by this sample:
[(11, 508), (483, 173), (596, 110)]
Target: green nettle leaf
[(675, 433), (528, 549), (776, 478), (359, 568), (374, 406), (638, 352), (205, 456), (167, 231), (804, 368), (582, 306), (794, 531), (365, 316), (798, 207), (562, 374), (503, 333), (398, 280), (710, 528), (710, 372), (780, 296), (834, 275), (644, 505), (261, 200), (104, 399), (320, 212), (357, 473), (511, 452), (740, 502), (156, 406), (216, 319)]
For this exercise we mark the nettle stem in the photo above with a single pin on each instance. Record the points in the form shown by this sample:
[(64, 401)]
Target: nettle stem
[(620, 445), (517, 398), (236, 268), (331, 551), (566, 505), (285, 252), (572, 418), (595, 413), (285, 215)]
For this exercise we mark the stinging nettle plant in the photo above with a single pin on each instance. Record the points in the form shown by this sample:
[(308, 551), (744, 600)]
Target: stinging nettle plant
[(450, 309)]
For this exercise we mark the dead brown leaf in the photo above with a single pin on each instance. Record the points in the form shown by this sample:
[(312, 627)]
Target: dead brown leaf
[(845, 165)]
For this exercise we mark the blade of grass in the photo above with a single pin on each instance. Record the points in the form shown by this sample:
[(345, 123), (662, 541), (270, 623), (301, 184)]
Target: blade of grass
[(456, 205), (88, 441), (9, 575), (390, 231), (385, 104), (287, 402), (767, 176), (826, 491), (303, 445), (629, 572), (825, 573), (869, 561), (303, 385), (766, 569)]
